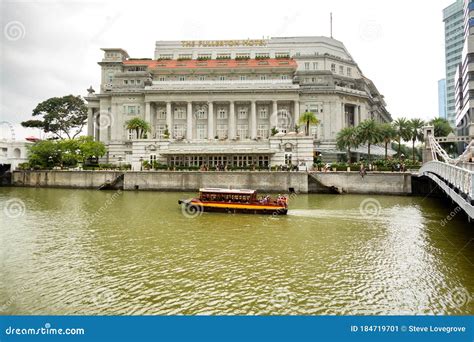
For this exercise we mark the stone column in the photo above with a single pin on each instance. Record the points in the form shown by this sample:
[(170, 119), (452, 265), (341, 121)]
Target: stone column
[(274, 116), (90, 122), (189, 121), (210, 121), (232, 128), (169, 119), (297, 115), (253, 120), (148, 117)]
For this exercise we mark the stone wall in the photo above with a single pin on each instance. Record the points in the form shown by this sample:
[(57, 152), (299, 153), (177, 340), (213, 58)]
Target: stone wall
[(182, 181), (396, 183), (63, 179), (314, 182)]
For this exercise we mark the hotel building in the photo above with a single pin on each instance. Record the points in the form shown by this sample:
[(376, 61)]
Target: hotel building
[(231, 102)]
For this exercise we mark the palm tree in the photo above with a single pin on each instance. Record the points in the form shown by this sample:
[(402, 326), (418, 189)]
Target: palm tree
[(402, 132), (441, 127), (388, 133), (309, 118), (140, 126), (346, 139), (416, 132), (368, 131)]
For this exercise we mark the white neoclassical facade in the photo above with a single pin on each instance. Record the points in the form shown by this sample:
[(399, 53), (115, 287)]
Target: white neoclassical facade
[(223, 102)]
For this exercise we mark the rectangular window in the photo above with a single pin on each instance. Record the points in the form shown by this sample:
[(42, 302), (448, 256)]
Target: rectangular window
[(201, 114), (201, 131), (243, 77), (221, 78), (110, 77), (160, 131), (349, 72), (125, 81), (315, 65), (139, 81), (222, 131), (202, 78), (242, 113), (333, 67), (243, 131), (314, 131), (161, 79), (131, 110), (182, 78), (306, 65), (222, 114), (132, 81), (130, 134), (162, 114), (262, 131), (263, 113), (341, 69), (263, 77), (284, 77), (179, 131), (179, 114), (152, 158)]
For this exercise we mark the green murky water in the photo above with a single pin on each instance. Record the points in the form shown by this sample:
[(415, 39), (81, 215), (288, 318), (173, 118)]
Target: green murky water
[(91, 252)]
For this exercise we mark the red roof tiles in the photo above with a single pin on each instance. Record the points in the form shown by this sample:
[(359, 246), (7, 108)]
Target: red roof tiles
[(215, 63)]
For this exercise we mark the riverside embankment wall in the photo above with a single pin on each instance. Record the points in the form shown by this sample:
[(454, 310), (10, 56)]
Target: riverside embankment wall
[(315, 182)]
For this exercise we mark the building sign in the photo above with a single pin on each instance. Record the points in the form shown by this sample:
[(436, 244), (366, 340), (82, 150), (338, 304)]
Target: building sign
[(218, 43)]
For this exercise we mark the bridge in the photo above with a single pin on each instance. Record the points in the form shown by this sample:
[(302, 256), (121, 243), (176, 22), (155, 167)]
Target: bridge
[(455, 176)]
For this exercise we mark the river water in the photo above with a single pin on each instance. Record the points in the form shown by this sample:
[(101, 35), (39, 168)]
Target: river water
[(104, 252)]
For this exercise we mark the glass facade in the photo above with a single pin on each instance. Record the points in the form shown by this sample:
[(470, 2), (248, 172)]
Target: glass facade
[(453, 18)]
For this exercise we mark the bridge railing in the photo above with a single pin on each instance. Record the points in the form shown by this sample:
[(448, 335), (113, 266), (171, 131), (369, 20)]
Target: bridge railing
[(460, 178)]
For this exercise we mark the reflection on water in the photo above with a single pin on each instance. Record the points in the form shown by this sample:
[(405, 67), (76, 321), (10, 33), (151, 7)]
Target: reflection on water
[(91, 252)]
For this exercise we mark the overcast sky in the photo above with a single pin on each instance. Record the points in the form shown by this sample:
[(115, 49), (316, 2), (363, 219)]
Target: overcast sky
[(51, 48)]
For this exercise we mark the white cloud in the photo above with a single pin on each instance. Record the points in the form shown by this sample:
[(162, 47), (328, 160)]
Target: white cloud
[(397, 44)]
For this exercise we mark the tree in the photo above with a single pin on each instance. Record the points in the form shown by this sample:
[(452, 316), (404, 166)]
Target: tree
[(138, 125), (347, 138), (416, 132), (402, 132), (441, 127), (368, 131), (66, 152), (308, 118), (388, 133), (64, 117)]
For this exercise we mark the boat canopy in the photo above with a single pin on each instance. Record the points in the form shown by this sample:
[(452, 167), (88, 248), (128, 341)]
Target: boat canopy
[(228, 191)]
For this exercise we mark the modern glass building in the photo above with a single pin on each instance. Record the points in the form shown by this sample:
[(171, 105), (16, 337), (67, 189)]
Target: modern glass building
[(442, 98), (453, 18)]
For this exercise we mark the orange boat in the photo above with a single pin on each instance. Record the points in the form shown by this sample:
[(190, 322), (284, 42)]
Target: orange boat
[(235, 201)]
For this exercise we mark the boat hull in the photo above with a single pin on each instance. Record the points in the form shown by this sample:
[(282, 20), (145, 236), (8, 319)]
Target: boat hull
[(233, 208)]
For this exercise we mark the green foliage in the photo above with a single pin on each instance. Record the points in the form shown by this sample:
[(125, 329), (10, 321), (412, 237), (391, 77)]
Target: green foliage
[(346, 139), (46, 154), (274, 131), (62, 116), (402, 129), (415, 127), (369, 132), (309, 118), (441, 127), (140, 126), (388, 133)]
